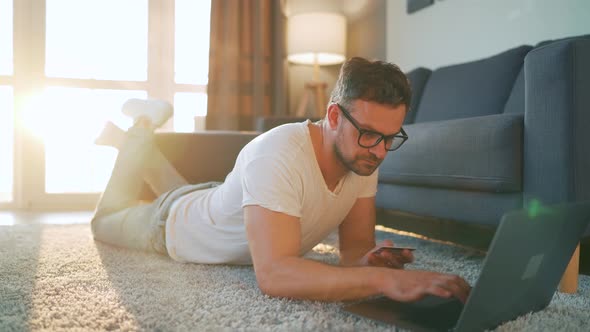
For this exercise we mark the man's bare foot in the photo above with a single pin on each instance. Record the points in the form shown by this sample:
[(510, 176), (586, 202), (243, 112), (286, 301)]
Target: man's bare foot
[(111, 135)]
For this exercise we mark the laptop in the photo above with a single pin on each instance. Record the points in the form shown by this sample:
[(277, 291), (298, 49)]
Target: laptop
[(524, 264)]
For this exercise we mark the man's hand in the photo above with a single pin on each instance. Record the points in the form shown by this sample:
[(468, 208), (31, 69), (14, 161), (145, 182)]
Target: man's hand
[(387, 258), (412, 285)]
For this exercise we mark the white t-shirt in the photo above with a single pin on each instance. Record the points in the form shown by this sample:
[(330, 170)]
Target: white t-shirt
[(277, 170)]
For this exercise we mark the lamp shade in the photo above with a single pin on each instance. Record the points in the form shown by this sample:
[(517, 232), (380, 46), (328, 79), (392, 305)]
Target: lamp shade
[(317, 37)]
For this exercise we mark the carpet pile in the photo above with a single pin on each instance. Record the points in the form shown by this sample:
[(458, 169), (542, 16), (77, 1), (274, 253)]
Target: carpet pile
[(56, 277)]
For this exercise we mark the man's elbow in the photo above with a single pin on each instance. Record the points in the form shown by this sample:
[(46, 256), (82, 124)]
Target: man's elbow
[(268, 289), (270, 283)]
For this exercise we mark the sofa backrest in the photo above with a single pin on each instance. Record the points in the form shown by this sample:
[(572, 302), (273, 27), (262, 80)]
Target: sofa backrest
[(471, 89), (418, 78)]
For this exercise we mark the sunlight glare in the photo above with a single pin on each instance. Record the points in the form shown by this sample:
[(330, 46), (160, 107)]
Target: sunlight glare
[(6, 143), (102, 40), (192, 41), (6, 53), (7, 219), (105, 39), (187, 106), (68, 120)]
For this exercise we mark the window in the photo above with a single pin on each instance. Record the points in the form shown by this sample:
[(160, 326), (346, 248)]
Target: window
[(6, 144), (68, 120), (191, 61), (109, 41), (6, 52), (97, 54), (6, 103), (189, 111)]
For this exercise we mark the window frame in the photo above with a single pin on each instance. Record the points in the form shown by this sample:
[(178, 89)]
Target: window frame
[(28, 77)]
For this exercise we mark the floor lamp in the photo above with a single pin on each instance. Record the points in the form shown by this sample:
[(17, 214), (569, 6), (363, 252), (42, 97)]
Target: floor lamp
[(316, 39)]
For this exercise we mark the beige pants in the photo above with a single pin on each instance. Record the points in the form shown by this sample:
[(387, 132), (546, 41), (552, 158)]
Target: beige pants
[(119, 219)]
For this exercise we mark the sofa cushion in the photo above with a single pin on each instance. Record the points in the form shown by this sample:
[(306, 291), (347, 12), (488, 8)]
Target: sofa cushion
[(418, 78), (481, 153), (474, 207), (471, 89)]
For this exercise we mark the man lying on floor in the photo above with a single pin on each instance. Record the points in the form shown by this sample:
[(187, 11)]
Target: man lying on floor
[(290, 187)]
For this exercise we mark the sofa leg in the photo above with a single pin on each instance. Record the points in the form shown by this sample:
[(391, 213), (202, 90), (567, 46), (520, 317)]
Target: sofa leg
[(569, 281)]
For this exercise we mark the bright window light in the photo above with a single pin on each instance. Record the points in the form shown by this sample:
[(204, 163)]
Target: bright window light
[(192, 18), (97, 39), (68, 120), (6, 37), (6, 143), (101, 40), (189, 108)]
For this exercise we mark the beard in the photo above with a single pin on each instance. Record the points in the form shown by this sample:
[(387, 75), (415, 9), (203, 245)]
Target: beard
[(361, 165)]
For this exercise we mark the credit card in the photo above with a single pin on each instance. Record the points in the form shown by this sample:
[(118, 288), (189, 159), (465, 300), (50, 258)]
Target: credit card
[(393, 249)]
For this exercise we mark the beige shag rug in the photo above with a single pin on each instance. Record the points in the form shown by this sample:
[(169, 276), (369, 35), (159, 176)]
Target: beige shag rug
[(55, 277)]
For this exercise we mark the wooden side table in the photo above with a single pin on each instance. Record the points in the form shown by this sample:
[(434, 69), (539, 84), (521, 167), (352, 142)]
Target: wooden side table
[(569, 281)]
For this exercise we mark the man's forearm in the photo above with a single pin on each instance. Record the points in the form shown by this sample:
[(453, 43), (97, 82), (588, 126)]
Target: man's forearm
[(300, 278)]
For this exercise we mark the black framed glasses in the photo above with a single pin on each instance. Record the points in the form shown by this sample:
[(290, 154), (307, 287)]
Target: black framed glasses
[(369, 138)]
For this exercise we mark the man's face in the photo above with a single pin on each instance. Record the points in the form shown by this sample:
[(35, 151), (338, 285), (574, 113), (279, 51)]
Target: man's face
[(384, 119)]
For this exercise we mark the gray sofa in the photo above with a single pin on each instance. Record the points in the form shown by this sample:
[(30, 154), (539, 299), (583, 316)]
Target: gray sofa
[(502, 133)]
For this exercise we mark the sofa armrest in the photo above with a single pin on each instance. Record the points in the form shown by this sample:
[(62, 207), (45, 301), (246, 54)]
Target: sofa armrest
[(201, 156), (557, 121), (266, 123)]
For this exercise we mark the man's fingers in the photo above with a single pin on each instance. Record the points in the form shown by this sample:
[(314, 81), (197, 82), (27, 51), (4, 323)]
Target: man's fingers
[(376, 259), (386, 258), (386, 243), (464, 289), (381, 260), (373, 258), (408, 255), (460, 287), (456, 286), (403, 257), (439, 291), (414, 285), (394, 264)]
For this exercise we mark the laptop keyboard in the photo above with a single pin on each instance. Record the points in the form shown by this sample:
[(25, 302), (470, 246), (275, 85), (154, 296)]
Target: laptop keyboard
[(431, 312)]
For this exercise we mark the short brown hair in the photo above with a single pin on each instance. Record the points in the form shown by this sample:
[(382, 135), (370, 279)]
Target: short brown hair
[(376, 81)]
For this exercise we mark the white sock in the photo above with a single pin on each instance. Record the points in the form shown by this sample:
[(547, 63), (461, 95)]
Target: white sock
[(158, 111)]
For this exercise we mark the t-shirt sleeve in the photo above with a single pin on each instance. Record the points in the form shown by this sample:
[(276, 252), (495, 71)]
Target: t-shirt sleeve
[(369, 185), (270, 183)]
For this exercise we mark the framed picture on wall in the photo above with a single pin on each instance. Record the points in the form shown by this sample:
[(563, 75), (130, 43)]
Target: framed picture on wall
[(416, 5)]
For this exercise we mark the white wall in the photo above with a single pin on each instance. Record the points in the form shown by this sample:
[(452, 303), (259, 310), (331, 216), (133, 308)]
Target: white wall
[(454, 31)]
